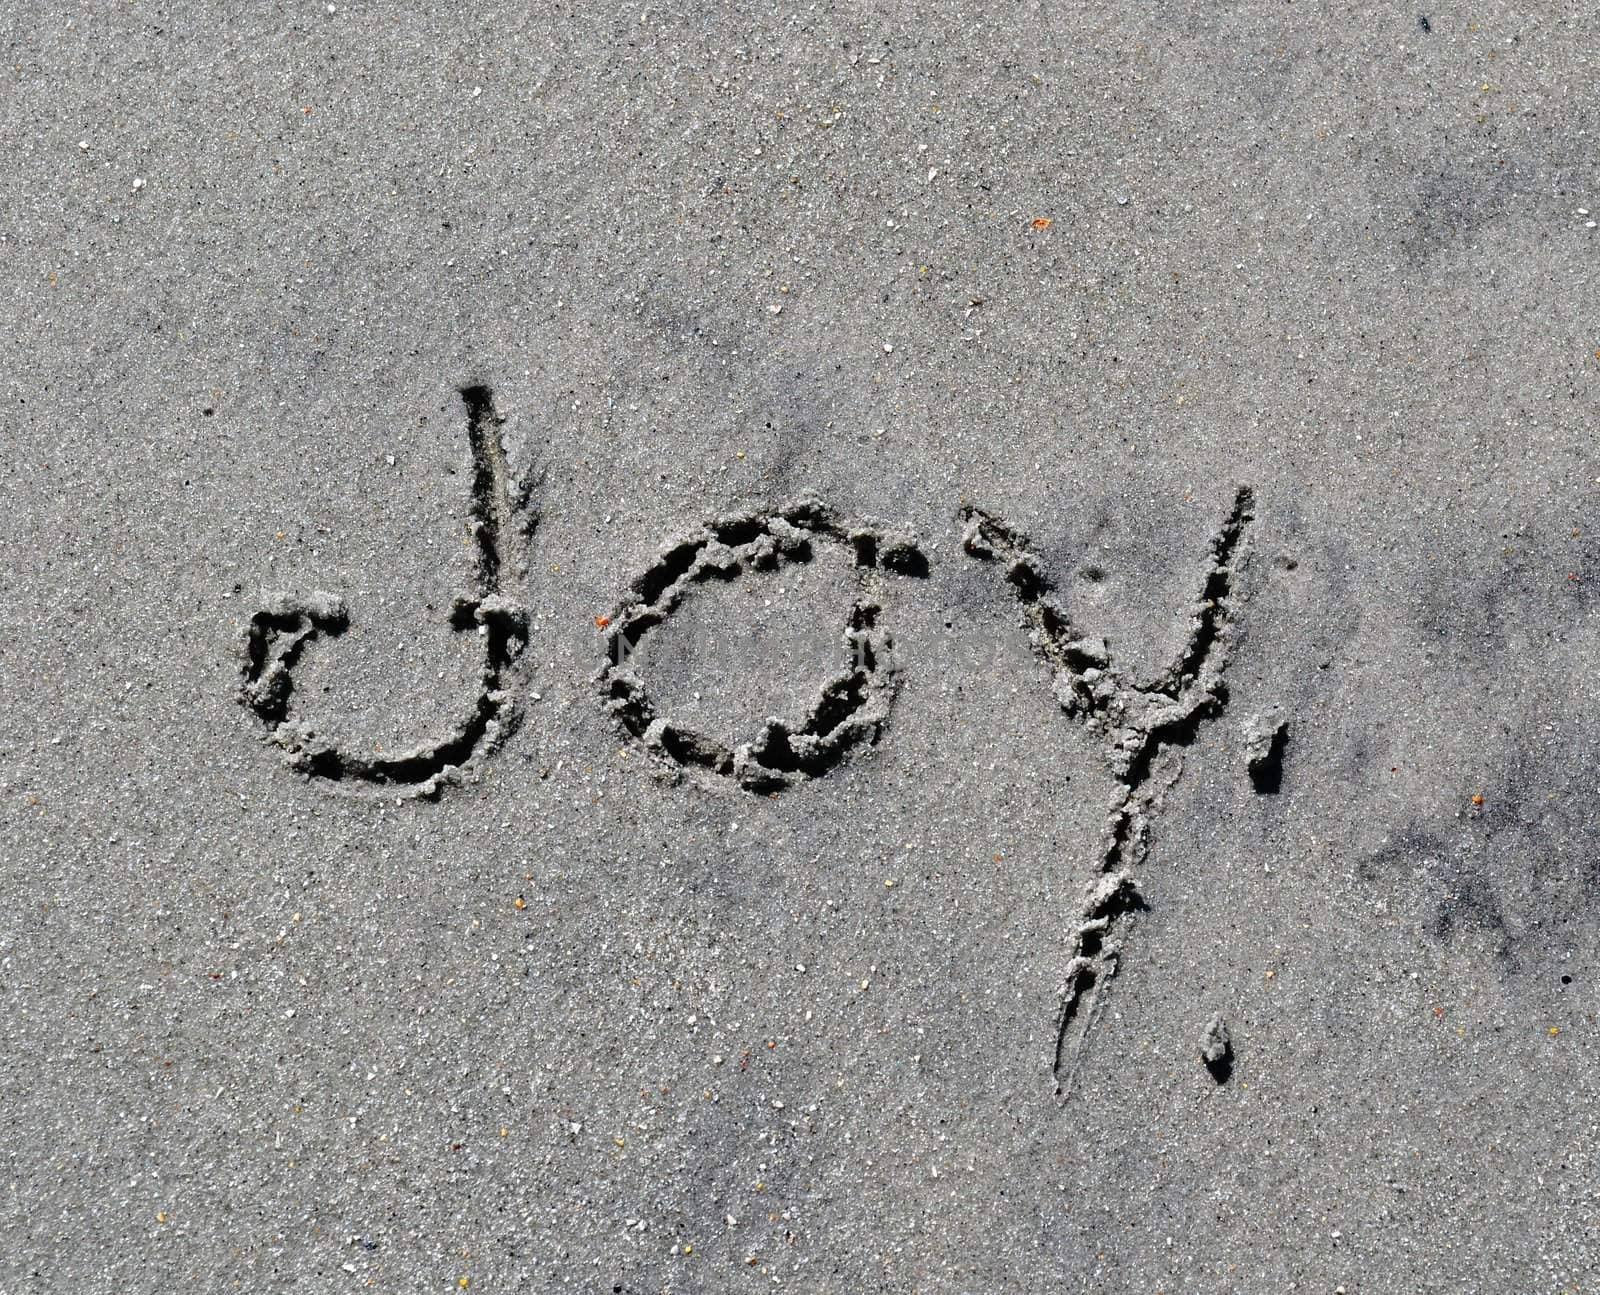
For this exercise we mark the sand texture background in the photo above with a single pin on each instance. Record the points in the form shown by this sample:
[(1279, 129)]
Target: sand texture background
[(596, 1017)]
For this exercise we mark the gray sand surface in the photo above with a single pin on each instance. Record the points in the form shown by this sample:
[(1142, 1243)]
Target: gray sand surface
[(616, 987)]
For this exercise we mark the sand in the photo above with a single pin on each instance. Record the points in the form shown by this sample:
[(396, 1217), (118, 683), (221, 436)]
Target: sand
[(802, 648)]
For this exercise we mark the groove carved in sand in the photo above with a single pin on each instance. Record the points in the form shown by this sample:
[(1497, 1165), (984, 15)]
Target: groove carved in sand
[(279, 632), (1143, 730)]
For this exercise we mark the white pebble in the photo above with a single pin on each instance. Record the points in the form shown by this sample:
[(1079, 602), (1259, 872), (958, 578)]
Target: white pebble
[(476, 91), (888, 349), (138, 183)]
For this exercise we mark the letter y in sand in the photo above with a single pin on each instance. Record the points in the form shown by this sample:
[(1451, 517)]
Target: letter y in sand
[(1143, 729)]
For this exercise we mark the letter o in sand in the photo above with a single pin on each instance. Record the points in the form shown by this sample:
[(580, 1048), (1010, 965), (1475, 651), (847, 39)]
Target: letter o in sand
[(851, 706)]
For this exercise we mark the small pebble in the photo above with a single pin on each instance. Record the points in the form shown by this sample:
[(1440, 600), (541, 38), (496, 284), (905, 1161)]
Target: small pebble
[(1216, 1049)]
